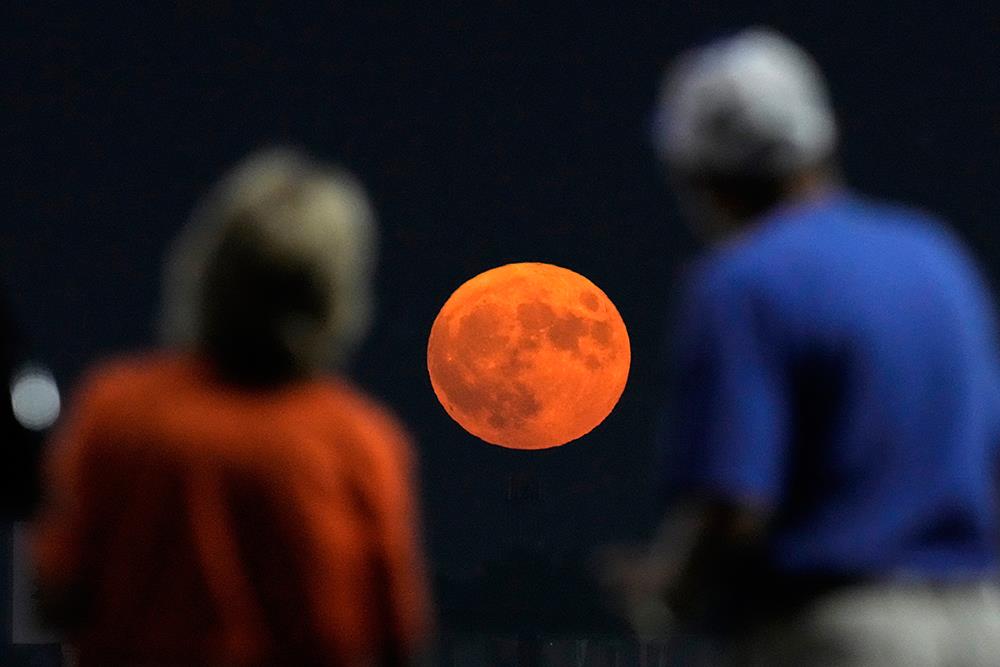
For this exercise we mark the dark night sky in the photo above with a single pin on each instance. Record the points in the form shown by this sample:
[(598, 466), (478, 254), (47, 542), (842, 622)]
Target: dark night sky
[(486, 133)]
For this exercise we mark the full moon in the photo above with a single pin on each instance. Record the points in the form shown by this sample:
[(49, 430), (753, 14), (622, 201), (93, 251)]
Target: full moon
[(528, 356)]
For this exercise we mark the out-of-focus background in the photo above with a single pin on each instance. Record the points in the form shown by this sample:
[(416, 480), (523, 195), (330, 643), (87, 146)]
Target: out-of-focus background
[(486, 133)]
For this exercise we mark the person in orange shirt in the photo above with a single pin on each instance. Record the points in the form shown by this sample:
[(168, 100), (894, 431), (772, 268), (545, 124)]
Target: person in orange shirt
[(224, 501)]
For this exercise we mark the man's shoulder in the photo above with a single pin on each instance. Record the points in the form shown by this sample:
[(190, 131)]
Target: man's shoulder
[(739, 266), (918, 240), (848, 227)]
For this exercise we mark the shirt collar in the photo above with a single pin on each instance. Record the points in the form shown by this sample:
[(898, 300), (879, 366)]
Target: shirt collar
[(829, 198)]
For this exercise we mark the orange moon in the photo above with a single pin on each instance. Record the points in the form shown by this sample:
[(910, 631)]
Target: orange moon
[(528, 356)]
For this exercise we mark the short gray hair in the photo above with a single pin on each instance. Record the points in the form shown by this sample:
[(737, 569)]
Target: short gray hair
[(753, 104), (281, 209)]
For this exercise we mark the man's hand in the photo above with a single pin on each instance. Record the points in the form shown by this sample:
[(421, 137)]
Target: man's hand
[(653, 585), (637, 579)]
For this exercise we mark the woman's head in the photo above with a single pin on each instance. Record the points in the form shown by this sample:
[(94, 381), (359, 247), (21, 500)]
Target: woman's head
[(272, 276)]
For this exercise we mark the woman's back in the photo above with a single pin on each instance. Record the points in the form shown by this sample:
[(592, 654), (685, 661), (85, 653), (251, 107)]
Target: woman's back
[(199, 522)]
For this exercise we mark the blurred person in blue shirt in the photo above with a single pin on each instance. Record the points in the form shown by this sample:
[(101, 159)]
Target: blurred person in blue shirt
[(831, 447)]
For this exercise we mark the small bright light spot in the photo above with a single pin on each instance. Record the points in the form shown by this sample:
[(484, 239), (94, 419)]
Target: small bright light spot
[(34, 397)]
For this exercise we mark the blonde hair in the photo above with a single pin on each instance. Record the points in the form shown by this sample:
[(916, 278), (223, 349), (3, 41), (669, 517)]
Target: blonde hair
[(276, 261)]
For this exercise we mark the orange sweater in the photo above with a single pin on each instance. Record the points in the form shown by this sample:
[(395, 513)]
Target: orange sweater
[(195, 523)]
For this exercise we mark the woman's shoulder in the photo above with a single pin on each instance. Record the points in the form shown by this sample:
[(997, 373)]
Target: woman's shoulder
[(372, 423), (127, 375)]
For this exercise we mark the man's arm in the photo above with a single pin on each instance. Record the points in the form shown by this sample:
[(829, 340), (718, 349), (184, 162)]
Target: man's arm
[(720, 535), (673, 578), (725, 451)]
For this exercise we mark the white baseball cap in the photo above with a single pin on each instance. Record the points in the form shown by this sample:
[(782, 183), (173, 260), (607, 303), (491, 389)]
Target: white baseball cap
[(754, 103)]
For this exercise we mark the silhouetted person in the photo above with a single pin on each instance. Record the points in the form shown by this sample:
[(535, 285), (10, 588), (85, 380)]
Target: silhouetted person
[(30, 405), (224, 501), (836, 411)]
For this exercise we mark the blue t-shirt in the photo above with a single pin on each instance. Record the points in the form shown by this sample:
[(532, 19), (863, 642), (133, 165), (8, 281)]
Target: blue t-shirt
[(838, 365)]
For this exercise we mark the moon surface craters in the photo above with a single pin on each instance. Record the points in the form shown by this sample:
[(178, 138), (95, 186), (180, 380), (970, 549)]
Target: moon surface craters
[(528, 356), (480, 345)]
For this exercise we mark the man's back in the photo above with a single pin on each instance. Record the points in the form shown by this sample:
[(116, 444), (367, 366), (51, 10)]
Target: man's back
[(838, 366), (211, 524)]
